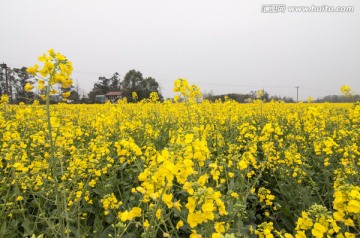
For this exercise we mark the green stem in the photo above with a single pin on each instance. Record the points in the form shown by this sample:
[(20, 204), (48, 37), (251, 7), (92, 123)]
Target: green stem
[(156, 208), (65, 200), (316, 191), (49, 224), (58, 196)]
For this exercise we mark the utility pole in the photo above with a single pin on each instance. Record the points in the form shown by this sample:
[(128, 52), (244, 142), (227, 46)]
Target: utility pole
[(297, 93), (77, 86), (6, 78), (1, 73), (77, 91)]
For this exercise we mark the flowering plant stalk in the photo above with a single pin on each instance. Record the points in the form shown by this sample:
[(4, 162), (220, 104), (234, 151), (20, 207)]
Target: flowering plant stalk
[(348, 92), (56, 71), (189, 93), (4, 101)]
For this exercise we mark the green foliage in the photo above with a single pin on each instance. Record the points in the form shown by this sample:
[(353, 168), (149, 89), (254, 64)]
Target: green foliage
[(133, 81), (13, 81)]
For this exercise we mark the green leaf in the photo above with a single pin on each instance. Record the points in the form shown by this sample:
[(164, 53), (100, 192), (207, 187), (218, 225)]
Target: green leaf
[(3, 229), (28, 227), (98, 225)]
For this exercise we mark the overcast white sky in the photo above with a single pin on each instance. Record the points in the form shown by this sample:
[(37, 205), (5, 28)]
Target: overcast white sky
[(224, 46)]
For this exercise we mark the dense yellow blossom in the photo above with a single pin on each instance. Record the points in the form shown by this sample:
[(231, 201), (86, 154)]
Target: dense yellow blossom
[(200, 169)]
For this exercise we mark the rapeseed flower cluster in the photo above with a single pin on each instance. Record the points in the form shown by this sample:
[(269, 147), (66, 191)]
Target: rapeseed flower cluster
[(56, 69), (187, 92), (346, 90), (347, 204)]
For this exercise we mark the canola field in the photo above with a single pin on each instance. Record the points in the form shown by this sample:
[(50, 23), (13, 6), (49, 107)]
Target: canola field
[(152, 169)]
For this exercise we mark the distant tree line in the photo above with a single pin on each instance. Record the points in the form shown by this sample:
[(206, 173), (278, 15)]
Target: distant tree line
[(243, 98), (339, 98), (13, 81), (133, 81)]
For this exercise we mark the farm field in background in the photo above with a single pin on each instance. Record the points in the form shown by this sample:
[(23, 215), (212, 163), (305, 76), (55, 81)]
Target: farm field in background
[(189, 169)]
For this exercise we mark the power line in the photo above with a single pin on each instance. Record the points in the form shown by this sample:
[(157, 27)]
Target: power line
[(75, 71), (321, 90)]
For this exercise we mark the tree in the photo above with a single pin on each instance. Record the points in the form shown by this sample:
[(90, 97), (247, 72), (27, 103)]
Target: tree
[(264, 96), (130, 83), (148, 86), (95, 91), (19, 79), (339, 98), (74, 95), (105, 85), (279, 98), (133, 82), (234, 96), (115, 82), (12, 83), (3, 79)]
